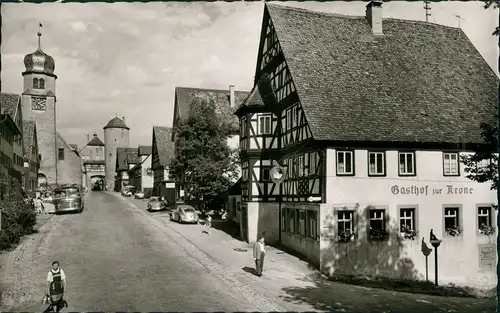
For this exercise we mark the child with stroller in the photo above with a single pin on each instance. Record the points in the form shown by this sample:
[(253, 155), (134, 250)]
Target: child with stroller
[(56, 288)]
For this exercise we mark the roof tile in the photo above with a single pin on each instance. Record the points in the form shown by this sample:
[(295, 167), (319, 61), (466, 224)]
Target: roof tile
[(164, 144)]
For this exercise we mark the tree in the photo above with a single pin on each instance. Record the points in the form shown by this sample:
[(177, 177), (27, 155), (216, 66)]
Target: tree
[(203, 159)]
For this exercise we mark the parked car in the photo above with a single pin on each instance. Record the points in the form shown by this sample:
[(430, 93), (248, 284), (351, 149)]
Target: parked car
[(155, 204), (185, 214), (139, 195), (129, 194)]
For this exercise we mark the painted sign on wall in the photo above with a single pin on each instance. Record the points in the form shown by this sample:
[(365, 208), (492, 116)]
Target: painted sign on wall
[(425, 190), (487, 256)]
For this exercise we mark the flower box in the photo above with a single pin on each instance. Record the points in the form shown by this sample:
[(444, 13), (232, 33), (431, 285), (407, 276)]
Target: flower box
[(453, 231), (346, 236), (378, 234)]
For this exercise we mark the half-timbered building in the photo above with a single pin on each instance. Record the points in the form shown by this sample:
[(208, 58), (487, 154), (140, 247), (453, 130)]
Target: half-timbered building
[(141, 175), (161, 160), (369, 138), (225, 101), (126, 159), (11, 105)]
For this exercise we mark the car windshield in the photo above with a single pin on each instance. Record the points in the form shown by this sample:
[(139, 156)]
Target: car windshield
[(154, 199), (188, 210), (155, 204)]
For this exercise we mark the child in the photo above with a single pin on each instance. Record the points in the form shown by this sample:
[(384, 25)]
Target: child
[(208, 223)]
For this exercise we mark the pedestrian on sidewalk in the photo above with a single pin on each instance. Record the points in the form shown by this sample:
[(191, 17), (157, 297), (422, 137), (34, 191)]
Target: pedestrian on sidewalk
[(39, 206), (208, 224), (259, 252), (56, 287)]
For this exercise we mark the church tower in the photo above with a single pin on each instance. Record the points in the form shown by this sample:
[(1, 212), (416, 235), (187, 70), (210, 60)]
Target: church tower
[(39, 105), (115, 135)]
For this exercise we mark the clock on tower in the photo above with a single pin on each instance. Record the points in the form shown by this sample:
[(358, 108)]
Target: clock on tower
[(38, 103)]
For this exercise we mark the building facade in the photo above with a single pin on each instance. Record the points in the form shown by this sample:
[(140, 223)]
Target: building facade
[(9, 133), (116, 134), (141, 175), (367, 167), (225, 101), (94, 163), (126, 159), (162, 155), (31, 156)]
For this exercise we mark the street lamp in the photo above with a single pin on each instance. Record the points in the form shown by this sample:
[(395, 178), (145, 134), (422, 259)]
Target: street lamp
[(435, 243)]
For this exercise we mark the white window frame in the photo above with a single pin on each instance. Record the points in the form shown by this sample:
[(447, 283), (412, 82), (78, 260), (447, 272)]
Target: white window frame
[(378, 154), (301, 166), (488, 215), (345, 154), (262, 124), (448, 164), (377, 218), (405, 171), (345, 219), (288, 119), (313, 160), (404, 217), (456, 215)]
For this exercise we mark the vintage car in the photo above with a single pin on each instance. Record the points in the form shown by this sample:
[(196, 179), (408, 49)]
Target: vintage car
[(68, 198)]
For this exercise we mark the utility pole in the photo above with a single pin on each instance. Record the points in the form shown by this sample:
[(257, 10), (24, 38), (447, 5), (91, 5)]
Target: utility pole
[(427, 10)]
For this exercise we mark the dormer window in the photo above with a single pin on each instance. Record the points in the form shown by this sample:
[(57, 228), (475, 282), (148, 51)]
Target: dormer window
[(38, 83)]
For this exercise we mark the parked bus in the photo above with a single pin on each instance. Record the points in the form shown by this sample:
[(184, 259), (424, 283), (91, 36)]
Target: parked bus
[(68, 198)]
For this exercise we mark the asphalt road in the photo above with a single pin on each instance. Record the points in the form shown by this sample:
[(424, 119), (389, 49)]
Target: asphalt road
[(117, 259)]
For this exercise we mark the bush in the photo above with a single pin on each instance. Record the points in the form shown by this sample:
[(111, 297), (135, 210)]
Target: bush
[(18, 217)]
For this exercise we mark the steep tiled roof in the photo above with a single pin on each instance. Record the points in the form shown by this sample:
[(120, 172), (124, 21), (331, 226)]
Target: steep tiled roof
[(95, 142), (124, 157), (61, 143), (145, 150), (235, 189), (29, 133), (262, 90), (116, 122), (74, 146), (164, 144), (185, 97), (419, 82), (9, 103)]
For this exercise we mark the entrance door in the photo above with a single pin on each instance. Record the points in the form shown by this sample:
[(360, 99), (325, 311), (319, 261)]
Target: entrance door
[(244, 221)]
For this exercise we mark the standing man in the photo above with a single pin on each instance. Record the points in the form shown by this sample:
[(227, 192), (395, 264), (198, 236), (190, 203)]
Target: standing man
[(259, 252), (56, 286)]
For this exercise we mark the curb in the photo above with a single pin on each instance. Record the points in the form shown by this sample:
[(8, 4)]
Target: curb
[(205, 259)]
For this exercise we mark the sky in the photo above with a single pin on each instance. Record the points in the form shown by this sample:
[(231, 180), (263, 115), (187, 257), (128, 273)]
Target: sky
[(125, 59)]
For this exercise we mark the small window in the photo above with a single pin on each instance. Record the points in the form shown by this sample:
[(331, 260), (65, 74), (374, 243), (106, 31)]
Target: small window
[(376, 163), (312, 224), (294, 116), (484, 217), (41, 83), (406, 163), (302, 223), (345, 221), (60, 154), (35, 83), (291, 220), (301, 166), (406, 220), (452, 221), (296, 220), (312, 162), (377, 219), (450, 164), (265, 124), (266, 174), (345, 160)]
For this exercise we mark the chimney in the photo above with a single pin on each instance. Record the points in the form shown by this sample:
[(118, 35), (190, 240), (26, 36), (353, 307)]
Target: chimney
[(88, 138), (374, 16), (95, 135), (231, 95), (123, 118)]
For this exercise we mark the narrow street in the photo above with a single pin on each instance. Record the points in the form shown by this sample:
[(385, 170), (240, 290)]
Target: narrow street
[(117, 260), (118, 257)]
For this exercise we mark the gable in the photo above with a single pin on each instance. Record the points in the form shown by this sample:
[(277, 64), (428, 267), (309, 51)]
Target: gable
[(163, 144), (62, 144), (376, 88)]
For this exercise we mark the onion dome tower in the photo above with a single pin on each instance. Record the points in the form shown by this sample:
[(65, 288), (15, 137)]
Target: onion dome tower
[(39, 105), (116, 134)]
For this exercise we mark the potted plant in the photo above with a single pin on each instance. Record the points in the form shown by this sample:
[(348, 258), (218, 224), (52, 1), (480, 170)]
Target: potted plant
[(486, 230), (453, 231), (378, 234), (346, 235), (408, 233)]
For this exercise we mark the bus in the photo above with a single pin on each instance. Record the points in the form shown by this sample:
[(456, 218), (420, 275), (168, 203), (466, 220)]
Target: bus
[(68, 198)]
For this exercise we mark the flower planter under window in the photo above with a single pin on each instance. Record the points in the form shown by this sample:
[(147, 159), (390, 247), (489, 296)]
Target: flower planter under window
[(453, 232), (408, 233), (378, 235), (346, 236), (486, 230)]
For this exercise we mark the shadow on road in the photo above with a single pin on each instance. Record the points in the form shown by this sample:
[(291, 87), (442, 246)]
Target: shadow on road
[(228, 227), (250, 270)]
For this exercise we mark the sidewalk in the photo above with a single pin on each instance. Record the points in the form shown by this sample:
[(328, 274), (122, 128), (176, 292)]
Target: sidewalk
[(295, 285)]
